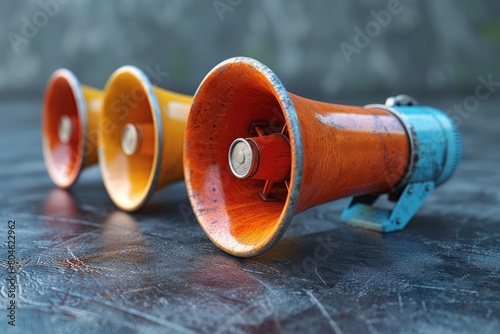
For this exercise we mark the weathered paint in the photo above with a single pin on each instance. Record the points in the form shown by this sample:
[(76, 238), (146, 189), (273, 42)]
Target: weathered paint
[(337, 151), (436, 154)]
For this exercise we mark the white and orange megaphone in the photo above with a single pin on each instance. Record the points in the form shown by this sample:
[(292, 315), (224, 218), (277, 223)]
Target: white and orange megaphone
[(256, 155), (69, 127), (141, 137)]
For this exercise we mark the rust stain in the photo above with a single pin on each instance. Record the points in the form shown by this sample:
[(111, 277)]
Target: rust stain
[(79, 264), (70, 263), (73, 264)]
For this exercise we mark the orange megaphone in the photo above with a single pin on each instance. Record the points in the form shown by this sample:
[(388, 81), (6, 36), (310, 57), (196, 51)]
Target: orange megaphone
[(141, 135), (69, 127), (256, 155)]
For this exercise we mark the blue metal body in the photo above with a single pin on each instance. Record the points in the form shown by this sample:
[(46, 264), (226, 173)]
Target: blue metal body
[(436, 151)]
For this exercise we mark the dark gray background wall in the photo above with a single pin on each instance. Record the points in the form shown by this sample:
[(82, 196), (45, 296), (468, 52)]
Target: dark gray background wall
[(423, 47)]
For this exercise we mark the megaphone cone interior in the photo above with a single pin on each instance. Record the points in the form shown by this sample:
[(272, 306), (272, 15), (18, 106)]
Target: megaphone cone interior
[(256, 155), (69, 127), (142, 130)]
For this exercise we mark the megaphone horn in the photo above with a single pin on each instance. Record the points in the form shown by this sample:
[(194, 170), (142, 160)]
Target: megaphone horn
[(142, 131), (256, 155), (69, 127)]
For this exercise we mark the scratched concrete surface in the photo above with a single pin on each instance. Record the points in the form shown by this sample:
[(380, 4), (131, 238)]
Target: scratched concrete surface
[(86, 267)]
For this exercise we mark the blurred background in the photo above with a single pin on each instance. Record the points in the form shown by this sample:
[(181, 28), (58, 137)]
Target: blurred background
[(326, 50)]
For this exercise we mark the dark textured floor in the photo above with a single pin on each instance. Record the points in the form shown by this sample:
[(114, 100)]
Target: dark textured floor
[(156, 271)]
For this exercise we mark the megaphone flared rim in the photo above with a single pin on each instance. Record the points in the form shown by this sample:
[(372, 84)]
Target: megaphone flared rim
[(69, 175), (234, 247), (122, 202)]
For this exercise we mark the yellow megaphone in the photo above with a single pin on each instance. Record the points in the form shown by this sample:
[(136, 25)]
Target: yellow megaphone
[(69, 127), (141, 137)]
